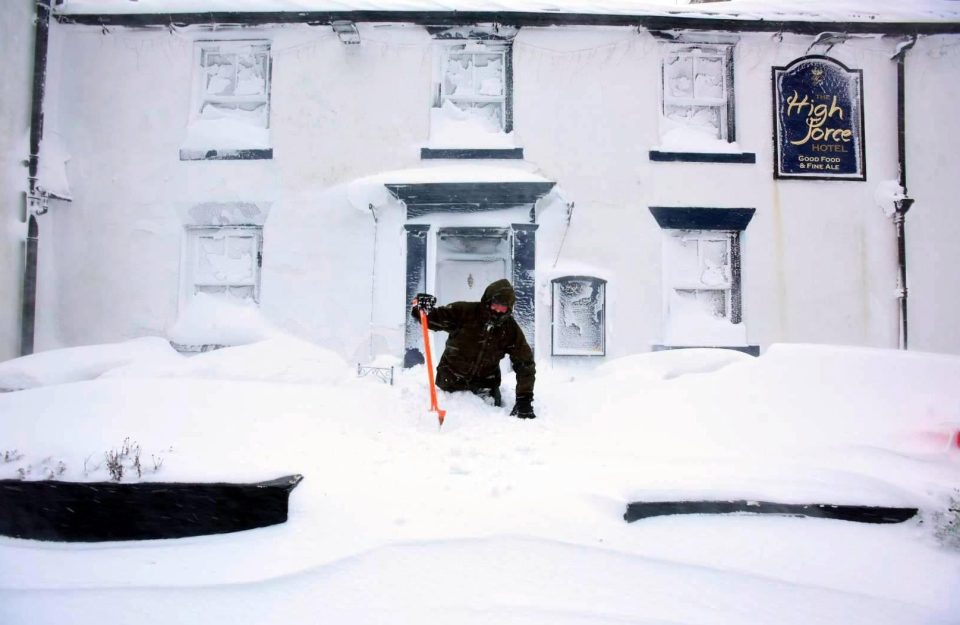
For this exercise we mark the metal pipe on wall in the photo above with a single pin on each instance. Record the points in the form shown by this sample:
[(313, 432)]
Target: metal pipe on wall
[(34, 200), (902, 205)]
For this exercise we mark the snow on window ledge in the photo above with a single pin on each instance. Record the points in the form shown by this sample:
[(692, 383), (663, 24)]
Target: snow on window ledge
[(452, 128), (683, 140), (225, 139), (689, 325)]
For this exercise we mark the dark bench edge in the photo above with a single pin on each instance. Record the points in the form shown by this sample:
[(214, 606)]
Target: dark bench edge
[(862, 514)]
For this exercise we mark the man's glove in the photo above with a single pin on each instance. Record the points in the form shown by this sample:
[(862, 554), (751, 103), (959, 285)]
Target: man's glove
[(424, 302), (523, 409)]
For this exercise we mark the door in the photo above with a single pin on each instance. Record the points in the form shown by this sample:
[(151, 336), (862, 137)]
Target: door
[(469, 259), (465, 280)]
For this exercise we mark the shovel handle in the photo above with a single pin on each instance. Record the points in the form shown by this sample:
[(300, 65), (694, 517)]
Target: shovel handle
[(426, 348)]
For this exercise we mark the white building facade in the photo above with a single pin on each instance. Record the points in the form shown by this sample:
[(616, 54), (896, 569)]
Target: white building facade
[(16, 49), (312, 172)]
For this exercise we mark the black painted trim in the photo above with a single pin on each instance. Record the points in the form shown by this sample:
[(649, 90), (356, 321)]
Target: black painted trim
[(736, 294), (602, 315), (416, 282), (700, 218), (524, 279), (226, 155), (702, 157), (751, 350), (862, 514), (107, 511), (465, 153), (423, 198), (508, 87), (510, 18)]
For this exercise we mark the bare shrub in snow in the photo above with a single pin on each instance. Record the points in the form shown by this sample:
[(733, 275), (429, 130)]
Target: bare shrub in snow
[(126, 461), (11, 455), (48, 469), (946, 523)]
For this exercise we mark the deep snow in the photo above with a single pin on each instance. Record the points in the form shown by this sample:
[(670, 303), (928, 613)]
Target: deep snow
[(495, 519)]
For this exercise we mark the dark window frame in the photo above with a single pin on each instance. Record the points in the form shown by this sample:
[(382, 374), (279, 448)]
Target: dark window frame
[(733, 222), (447, 39), (198, 98), (602, 324)]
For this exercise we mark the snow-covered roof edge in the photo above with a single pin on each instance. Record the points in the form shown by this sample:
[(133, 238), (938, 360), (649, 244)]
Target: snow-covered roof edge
[(861, 15)]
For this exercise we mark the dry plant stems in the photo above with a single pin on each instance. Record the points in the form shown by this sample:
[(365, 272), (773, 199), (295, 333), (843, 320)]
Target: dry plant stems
[(947, 523), (119, 463), (11, 455), (126, 460)]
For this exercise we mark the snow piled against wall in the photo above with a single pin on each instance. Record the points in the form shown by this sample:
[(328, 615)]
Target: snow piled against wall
[(282, 358), (207, 319), (81, 363)]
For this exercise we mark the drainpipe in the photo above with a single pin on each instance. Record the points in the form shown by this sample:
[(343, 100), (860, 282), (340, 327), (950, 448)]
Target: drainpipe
[(36, 202), (903, 204)]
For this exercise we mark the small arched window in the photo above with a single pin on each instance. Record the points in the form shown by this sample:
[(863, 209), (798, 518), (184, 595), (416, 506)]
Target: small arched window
[(579, 313)]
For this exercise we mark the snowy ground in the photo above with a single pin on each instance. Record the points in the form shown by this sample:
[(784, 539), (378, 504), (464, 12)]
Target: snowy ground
[(494, 519)]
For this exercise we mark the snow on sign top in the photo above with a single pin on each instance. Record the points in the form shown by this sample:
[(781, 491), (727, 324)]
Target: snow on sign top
[(788, 10)]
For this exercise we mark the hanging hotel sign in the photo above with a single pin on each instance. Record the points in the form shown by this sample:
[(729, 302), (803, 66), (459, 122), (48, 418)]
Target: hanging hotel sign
[(818, 111)]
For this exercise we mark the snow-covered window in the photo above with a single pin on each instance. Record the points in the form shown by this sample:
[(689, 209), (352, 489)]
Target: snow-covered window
[(579, 304), (702, 277), (702, 293), (231, 110), (224, 262), (234, 81), (473, 79), (697, 91), (472, 97)]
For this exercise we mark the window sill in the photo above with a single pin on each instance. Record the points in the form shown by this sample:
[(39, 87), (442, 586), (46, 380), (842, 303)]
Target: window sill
[(703, 157), (471, 153), (752, 350), (228, 154)]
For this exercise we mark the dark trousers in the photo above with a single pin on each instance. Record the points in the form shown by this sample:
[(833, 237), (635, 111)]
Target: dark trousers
[(486, 388)]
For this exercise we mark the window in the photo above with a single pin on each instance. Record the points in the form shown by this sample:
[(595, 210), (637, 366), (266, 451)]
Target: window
[(697, 91), (702, 294), (702, 273), (578, 316), (702, 298), (472, 112), (473, 80), (231, 111), (225, 262), (234, 81)]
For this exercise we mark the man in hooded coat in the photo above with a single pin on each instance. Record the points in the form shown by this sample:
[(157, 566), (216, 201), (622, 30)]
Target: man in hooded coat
[(481, 334)]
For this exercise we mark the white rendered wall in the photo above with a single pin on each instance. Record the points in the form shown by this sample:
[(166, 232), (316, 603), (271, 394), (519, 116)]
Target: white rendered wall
[(819, 257), (16, 50), (933, 179)]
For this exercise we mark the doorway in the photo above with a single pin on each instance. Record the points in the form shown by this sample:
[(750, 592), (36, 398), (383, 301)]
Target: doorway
[(468, 260)]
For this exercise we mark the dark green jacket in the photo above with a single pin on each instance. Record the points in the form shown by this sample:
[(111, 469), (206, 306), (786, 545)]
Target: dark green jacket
[(478, 341)]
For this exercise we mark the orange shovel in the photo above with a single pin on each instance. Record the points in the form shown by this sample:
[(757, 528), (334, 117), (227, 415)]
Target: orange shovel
[(433, 387)]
